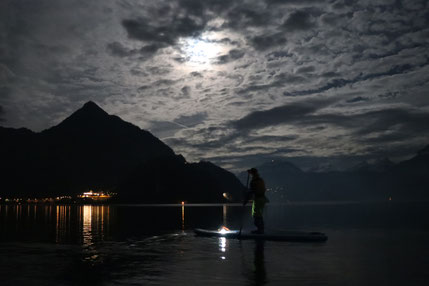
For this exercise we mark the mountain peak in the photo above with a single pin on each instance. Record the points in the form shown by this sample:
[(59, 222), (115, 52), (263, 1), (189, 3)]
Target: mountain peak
[(89, 111), (92, 107), (90, 114)]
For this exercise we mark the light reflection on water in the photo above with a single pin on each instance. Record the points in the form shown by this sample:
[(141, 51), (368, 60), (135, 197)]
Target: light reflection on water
[(87, 223), (84, 224)]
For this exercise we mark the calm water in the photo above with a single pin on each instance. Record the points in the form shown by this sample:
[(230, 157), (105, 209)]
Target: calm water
[(369, 244)]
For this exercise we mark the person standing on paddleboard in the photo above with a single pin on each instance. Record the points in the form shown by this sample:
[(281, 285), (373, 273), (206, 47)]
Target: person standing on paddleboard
[(257, 189)]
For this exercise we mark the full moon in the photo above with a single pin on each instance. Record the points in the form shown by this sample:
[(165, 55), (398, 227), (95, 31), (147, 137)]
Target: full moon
[(200, 52)]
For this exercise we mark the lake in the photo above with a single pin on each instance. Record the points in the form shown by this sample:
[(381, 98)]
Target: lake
[(384, 243)]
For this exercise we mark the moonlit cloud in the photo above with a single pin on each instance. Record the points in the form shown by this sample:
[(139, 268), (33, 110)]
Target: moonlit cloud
[(235, 82)]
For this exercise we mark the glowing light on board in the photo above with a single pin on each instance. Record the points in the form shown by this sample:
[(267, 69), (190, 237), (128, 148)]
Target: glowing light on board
[(224, 229)]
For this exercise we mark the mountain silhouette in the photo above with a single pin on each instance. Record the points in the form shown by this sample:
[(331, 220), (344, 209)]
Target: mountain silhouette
[(91, 149), (377, 180), (380, 165)]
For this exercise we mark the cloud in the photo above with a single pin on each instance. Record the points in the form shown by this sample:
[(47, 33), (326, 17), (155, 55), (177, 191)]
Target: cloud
[(357, 99), (298, 21), (165, 129), (306, 69), (399, 124), (279, 115), (341, 82), (191, 120), (294, 2), (232, 55), (185, 91), (266, 42), (196, 74), (244, 16), (117, 49), (164, 34)]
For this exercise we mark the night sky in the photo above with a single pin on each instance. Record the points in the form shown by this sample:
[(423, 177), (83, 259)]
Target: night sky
[(234, 82)]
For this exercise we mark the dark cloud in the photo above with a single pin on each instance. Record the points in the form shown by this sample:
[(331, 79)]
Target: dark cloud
[(156, 70), (166, 34), (185, 91), (298, 21), (143, 88), (164, 82), (357, 99), (225, 41), (191, 120), (293, 2), (388, 95), (265, 42), (330, 19), (287, 78), (306, 69), (243, 17), (270, 139), (196, 74), (387, 126), (278, 55), (117, 49), (412, 123), (279, 115), (232, 55), (279, 80), (341, 82)]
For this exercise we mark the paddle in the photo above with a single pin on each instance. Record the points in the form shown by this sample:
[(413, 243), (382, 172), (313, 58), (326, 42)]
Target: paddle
[(243, 212)]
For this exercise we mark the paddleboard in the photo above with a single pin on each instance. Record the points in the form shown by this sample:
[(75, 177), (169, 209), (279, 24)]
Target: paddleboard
[(295, 236)]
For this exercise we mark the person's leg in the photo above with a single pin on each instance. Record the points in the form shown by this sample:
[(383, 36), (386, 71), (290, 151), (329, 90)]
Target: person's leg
[(259, 223), (257, 212)]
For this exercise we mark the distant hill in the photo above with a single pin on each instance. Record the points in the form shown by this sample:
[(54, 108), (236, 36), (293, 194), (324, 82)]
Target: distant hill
[(381, 165), (94, 150), (378, 180)]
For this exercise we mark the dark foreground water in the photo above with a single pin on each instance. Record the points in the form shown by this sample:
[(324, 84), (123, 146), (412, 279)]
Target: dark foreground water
[(369, 244)]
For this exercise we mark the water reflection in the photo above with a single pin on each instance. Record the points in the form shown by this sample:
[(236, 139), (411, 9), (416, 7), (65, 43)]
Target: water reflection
[(222, 244), (260, 274), (95, 223), (183, 216), (55, 223), (87, 225), (224, 214)]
